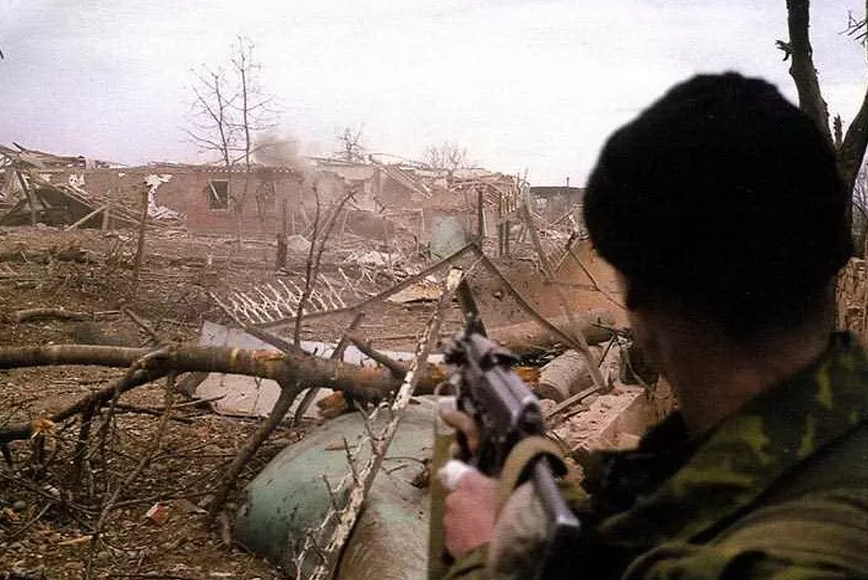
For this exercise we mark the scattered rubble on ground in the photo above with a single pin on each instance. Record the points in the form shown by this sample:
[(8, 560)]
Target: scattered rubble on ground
[(110, 476)]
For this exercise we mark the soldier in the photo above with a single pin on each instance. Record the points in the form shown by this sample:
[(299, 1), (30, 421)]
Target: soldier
[(721, 208)]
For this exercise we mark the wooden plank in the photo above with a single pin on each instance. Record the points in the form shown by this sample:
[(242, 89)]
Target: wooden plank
[(95, 212)]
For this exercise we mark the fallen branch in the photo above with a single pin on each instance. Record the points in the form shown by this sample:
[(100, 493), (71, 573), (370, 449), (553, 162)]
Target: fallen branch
[(96, 399), (528, 338), (337, 354), (152, 449), (397, 369), (33, 314), (363, 383), (141, 323), (288, 392), (329, 544)]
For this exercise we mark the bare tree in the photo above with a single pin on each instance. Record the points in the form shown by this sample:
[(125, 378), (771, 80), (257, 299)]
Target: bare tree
[(849, 146), (349, 146), (254, 113), (211, 115), (447, 156), (229, 111)]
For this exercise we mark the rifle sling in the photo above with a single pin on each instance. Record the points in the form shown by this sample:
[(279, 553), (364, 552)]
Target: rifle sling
[(521, 458)]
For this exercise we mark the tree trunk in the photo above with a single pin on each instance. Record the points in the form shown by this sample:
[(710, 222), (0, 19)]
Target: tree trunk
[(852, 148), (802, 66), (528, 338)]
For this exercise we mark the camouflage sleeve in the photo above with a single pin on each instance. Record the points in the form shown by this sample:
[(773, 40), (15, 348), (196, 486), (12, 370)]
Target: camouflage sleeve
[(470, 567), (514, 522), (817, 537), (697, 562)]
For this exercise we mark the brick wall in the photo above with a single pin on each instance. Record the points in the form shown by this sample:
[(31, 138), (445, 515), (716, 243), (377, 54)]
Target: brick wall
[(188, 192)]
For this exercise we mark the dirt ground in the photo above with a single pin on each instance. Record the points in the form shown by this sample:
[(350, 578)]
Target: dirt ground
[(47, 514)]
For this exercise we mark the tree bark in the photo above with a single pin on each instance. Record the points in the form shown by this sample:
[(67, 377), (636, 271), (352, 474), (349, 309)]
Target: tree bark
[(527, 338), (361, 382), (852, 149), (802, 66), (140, 249), (300, 371)]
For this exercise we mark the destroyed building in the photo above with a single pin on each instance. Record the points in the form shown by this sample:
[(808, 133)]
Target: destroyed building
[(552, 201), (387, 196)]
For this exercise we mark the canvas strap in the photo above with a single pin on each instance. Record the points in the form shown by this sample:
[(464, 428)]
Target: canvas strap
[(522, 457)]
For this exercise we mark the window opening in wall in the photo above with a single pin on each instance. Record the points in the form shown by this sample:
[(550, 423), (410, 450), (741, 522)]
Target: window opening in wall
[(218, 194)]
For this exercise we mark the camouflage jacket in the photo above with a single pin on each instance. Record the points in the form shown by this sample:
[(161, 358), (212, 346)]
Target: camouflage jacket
[(778, 490)]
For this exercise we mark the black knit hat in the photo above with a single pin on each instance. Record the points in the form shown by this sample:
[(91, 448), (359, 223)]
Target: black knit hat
[(723, 195)]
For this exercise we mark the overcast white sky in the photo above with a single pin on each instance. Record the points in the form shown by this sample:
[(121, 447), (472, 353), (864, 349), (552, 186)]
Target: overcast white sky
[(522, 84)]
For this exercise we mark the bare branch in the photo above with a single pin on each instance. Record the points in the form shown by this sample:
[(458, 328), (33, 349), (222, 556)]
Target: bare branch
[(350, 146), (447, 156)]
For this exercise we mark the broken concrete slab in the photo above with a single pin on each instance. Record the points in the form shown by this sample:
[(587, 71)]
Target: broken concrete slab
[(613, 421)]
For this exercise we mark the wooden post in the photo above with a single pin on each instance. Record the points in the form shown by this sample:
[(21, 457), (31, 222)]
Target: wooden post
[(499, 223), (98, 210), (281, 251), (480, 215), (106, 214), (140, 251), (31, 199)]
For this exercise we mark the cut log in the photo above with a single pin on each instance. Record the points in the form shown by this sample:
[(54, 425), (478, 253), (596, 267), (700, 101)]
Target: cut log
[(565, 375), (528, 338), (48, 314)]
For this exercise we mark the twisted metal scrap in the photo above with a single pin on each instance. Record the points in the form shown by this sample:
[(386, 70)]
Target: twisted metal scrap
[(270, 302), (325, 542)]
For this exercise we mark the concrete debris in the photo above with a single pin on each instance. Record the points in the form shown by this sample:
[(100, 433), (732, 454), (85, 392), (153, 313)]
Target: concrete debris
[(297, 244), (373, 258), (427, 290), (76, 180), (155, 210), (27, 183)]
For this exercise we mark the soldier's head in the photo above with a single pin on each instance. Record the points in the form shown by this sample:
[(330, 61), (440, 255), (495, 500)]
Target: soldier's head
[(722, 199)]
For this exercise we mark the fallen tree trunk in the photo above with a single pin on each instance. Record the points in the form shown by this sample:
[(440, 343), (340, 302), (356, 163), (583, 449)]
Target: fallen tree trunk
[(566, 375), (362, 382), (528, 338), (298, 370)]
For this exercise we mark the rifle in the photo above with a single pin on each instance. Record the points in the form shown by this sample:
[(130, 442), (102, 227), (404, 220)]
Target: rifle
[(506, 412)]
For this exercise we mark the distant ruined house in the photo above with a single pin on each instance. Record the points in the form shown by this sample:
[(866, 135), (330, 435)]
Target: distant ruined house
[(553, 201), (386, 197)]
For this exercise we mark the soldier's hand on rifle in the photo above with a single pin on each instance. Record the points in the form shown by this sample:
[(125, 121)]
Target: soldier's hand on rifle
[(464, 423), (471, 506), (471, 511)]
